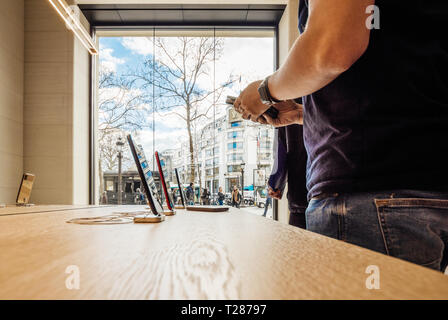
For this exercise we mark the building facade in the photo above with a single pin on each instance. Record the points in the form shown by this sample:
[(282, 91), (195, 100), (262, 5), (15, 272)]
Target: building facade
[(227, 150)]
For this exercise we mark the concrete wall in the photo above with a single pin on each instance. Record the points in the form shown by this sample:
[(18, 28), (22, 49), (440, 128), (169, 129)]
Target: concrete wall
[(288, 33), (11, 98), (55, 118)]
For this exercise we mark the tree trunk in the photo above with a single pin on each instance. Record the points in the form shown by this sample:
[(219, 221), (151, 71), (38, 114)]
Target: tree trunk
[(190, 138)]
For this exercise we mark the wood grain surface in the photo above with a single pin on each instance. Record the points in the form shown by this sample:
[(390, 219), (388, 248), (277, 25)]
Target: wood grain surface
[(14, 210), (194, 255)]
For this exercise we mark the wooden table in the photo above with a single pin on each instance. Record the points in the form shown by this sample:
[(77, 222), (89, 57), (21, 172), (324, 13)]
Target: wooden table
[(194, 255), (11, 210)]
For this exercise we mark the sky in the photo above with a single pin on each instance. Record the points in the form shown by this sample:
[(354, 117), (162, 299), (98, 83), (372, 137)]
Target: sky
[(250, 58)]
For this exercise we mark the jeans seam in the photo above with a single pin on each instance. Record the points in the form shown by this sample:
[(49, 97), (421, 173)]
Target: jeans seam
[(382, 224), (413, 202)]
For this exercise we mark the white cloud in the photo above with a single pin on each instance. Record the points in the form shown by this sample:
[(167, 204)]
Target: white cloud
[(108, 61), (138, 45), (252, 58), (164, 139)]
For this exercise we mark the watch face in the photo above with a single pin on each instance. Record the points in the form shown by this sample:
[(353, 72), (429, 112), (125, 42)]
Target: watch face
[(264, 96)]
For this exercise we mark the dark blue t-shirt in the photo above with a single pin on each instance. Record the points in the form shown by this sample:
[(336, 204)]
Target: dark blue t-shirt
[(383, 124)]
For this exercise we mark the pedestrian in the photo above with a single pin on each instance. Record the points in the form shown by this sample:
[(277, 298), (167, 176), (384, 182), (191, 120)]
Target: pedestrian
[(174, 195), (104, 199), (205, 197), (268, 203), (221, 196), (190, 194), (236, 197), (142, 196)]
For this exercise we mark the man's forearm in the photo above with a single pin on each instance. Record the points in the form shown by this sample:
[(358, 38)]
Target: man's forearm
[(300, 75), (336, 36)]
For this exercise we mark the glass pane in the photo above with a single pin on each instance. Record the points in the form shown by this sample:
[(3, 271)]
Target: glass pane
[(169, 90), (246, 57)]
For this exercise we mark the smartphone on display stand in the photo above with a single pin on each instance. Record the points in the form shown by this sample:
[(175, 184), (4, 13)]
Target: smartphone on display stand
[(181, 189), (148, 183), (165, 185), (24, 194)]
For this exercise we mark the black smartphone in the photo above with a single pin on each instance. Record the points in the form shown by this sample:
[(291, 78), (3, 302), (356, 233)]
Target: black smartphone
[(181, 189), (162, 172), (146, 177), (272, 112)]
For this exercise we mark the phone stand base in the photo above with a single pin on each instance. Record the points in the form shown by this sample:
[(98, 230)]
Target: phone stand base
[(208, 208), (169, 212), (149, 218), (24, 204)]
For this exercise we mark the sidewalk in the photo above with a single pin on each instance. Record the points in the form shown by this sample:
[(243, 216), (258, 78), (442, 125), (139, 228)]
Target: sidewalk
[(258, 211)]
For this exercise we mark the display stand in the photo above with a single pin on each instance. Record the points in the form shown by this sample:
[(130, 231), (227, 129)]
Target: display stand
[(169, 212), (24, 204), (165, 211), (149, 218), (208, 208)]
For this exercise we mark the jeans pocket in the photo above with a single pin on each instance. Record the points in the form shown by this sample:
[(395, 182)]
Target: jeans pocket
[(327, 216), (412, 228)]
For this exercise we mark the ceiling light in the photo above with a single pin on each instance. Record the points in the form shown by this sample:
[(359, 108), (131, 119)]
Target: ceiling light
[(72, 21)]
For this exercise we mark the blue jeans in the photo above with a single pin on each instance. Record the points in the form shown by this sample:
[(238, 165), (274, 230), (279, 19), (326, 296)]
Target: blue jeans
[(406, 224), (266, 206)]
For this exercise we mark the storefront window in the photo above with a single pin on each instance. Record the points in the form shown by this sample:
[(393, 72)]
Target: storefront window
[(142, 86)]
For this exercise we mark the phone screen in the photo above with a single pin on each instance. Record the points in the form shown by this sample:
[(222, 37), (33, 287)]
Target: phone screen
[(146, 177)]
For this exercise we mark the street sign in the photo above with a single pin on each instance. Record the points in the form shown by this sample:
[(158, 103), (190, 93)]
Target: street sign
[(259, 177)]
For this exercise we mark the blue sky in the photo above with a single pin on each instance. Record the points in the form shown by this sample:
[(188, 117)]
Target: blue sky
[(253, 60)]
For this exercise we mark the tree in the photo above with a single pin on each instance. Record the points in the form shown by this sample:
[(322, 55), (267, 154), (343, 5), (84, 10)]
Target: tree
[(121, 108), (179, 72)]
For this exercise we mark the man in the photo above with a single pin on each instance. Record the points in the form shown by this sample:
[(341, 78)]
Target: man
[(221, 196), (190, 194), (205, 197), (174, 195), (268, 203), (375, 122), (236, 197), (290, 166)]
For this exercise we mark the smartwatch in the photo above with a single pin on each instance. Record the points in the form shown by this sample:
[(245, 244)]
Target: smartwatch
[(265, 95)]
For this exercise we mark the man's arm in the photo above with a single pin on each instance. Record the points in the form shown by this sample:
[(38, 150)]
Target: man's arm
[(336, 36)]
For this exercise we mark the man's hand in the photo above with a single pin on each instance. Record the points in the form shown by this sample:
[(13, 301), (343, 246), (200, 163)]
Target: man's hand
[(289, 113), (275, 194), (249, 102)]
